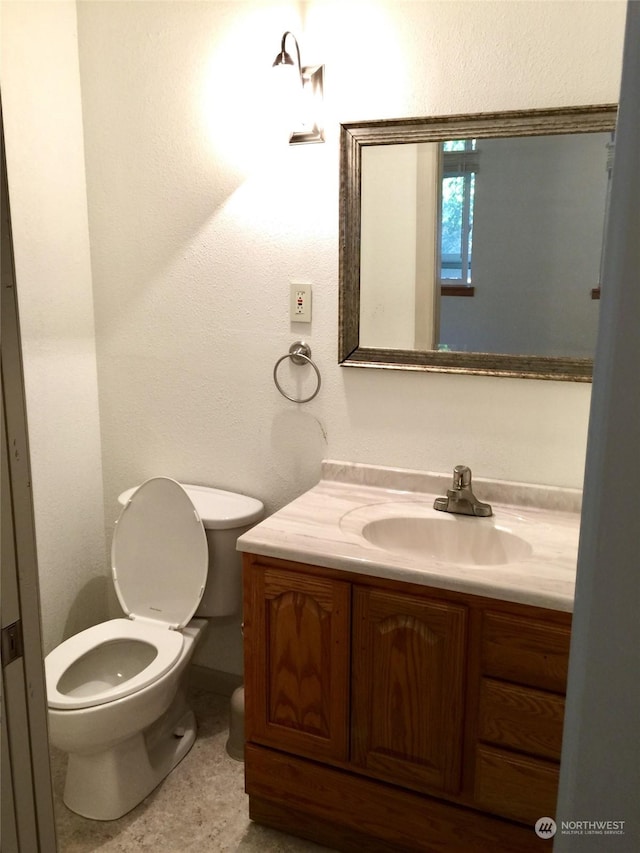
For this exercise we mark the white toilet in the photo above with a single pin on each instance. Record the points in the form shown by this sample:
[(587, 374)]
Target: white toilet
[(114, 691)]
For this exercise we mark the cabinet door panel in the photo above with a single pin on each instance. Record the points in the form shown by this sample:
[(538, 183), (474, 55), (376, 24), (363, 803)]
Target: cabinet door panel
[(408, 676), (299, 650)]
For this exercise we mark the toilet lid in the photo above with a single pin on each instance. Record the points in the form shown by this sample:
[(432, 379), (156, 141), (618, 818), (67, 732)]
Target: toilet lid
[(159, 554)]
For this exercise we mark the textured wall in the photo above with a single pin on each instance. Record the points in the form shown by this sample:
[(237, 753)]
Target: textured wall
[(198, 221), (45, 161)]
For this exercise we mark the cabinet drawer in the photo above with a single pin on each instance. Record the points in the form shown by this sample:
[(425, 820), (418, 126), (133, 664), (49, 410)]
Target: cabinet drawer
[(525, 651), (521, 718), (515, 786)]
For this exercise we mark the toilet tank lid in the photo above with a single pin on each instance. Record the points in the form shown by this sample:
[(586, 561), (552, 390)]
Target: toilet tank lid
[(218, 509)]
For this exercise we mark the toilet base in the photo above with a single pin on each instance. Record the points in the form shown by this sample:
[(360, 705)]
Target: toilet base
[(235, 743), (106, 785)]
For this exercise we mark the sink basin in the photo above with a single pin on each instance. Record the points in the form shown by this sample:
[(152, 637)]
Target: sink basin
[(450, 539)]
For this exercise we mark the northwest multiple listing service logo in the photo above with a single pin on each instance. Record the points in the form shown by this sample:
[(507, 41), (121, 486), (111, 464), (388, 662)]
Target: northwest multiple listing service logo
[(546, 827)]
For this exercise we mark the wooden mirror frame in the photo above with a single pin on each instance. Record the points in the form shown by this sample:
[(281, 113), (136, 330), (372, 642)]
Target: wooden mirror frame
[(353, 137)]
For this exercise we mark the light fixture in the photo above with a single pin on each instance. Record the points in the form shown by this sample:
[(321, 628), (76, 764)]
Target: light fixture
[(311, 77)]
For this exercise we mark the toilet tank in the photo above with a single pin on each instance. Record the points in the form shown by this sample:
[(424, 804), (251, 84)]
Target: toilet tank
[(225, 516)]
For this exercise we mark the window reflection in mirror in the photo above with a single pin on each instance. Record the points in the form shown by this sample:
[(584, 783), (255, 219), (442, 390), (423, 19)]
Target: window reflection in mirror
[(459, 164)]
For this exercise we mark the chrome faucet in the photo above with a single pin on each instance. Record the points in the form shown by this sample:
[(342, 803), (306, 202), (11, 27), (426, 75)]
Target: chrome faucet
[(460, 499)]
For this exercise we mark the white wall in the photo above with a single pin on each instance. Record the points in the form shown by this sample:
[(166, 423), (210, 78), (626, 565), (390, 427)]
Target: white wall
[(198, 223), (44, 148), (199, 218), (398, 245), (388, 210)]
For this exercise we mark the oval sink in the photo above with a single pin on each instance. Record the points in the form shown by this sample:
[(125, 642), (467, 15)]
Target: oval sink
[(466, 541)]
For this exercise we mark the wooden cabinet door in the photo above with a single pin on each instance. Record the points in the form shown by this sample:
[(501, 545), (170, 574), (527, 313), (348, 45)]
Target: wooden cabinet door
[(297, 662), (408, 688)]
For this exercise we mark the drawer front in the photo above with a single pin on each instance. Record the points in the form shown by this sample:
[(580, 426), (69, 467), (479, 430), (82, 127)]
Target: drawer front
[(525, 651), (515, 786), (521, 718)]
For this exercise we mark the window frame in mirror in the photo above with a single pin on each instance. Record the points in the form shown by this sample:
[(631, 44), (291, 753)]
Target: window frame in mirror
[(354, 136)]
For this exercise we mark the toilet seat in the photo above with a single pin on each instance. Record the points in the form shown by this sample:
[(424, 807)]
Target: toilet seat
[(159, 559), (167, 644)]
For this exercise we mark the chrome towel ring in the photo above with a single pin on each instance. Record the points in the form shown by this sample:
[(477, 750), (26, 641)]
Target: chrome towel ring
[(299, 353)]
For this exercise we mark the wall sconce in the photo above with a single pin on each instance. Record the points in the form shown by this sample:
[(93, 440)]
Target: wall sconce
[(311, 78)]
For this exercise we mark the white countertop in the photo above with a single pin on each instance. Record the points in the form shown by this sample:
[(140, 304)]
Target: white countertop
[(323, 527)]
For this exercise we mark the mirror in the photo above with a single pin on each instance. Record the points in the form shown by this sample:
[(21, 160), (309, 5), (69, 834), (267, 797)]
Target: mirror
[(472, 244)]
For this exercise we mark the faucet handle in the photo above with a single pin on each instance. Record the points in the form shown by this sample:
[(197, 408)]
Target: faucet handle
[(461, 476)]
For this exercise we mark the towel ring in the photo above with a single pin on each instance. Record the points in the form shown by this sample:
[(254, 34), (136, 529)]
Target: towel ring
[(299, 353)]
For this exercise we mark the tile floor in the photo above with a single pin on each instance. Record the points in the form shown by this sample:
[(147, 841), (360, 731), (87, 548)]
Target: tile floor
[(201, 806)]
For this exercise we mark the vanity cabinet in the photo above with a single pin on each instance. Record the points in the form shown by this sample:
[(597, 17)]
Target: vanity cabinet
[(389, 716)]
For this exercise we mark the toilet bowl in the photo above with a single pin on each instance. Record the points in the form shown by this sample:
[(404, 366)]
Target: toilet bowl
[(116, 690)]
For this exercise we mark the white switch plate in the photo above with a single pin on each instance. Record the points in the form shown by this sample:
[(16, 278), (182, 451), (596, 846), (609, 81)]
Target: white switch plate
[(300, 302)]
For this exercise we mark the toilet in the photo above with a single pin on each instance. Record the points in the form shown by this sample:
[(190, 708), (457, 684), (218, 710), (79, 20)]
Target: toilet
[(115, 691)]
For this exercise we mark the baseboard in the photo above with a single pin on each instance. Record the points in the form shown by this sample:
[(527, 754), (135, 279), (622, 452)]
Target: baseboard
[(214, 680)]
